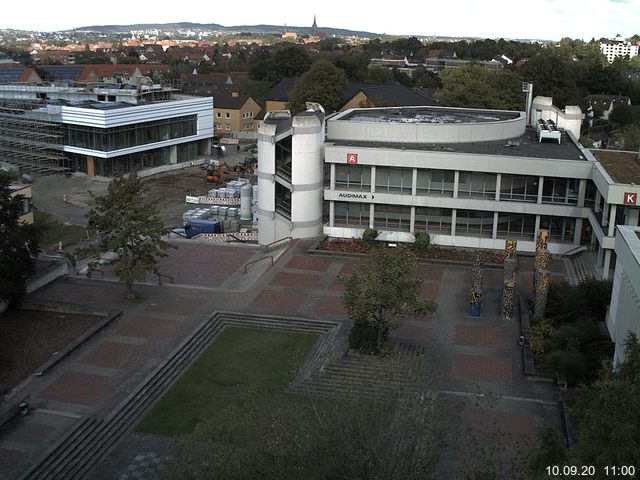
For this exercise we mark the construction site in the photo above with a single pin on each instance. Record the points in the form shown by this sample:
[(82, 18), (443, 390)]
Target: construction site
[(30, 138)]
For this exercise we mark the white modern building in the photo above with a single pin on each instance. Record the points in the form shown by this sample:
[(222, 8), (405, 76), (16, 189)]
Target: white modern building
[(618, 47), (470, 178), (101, 130), (624, 311), (290, 175)]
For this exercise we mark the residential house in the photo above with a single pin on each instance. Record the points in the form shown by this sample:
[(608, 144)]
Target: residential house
[(234, 113), (356, 95), (361, 95), (16, 73), (605, 103), (278, 97)]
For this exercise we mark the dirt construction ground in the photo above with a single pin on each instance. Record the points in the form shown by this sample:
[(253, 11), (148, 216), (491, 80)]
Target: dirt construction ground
[(167, 191)]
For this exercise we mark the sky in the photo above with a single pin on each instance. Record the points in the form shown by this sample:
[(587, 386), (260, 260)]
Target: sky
[(539, 19)]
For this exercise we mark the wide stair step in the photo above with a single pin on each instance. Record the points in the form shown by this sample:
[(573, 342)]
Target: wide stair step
[(91, 439)]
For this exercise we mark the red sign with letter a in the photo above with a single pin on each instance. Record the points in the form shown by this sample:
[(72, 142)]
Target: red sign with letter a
[(352, 158), (630, 198)]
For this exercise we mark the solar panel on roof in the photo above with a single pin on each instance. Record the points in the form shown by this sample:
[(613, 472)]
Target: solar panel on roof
[(64, 72), (10, 74)]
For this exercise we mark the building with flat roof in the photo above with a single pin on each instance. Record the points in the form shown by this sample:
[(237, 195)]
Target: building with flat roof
[(100, 130), (618, 47), (469, 177)]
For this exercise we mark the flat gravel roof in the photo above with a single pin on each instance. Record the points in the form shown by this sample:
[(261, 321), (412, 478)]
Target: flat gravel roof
[(526, 145), (428, 115)]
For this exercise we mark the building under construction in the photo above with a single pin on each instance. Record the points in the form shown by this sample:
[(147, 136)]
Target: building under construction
[(30, 138), (101, 129)]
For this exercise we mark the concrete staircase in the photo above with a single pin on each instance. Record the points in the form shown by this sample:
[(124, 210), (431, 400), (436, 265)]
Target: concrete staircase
[(580, 267), (370, 374), (91, 438)]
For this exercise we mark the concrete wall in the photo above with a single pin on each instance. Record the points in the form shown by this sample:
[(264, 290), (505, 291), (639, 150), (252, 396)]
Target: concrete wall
[(355, 131), (624, 311)]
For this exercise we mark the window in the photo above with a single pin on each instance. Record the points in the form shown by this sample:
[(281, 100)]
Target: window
[(393, 179), (475, 184), (433, 220), (435, 182), (560, 190), (516, 225), (474, 223), (560, 228), (351, 213), (392, 217), (227, 127), (227, 115), (116, 138), (353, 177), (218, 115), (519, 188)]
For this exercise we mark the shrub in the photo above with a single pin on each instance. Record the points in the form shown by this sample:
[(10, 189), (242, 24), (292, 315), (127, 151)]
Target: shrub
[(539, 333), (369, 235), (423, 240)]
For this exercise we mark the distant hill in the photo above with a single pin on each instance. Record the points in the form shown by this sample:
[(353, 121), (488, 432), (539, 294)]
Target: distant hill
[(107, 29)]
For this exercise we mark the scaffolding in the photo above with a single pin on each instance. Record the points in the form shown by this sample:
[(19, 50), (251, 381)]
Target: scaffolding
[(31, 137)]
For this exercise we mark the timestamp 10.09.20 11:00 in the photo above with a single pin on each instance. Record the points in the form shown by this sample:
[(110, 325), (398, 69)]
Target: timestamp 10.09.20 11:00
[(622, 471)]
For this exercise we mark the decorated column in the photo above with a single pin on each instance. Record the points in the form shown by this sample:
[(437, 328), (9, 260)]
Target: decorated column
[(540, 301), (475, 292)]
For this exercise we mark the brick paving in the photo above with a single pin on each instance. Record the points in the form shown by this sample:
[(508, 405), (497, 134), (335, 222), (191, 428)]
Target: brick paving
[(151, 328), (295, 280), (330, 306), (78, 387), (430, 291), (279, 301), (482, 368), (482, 336), (471, 354), (116, 355), (174, 304), (319, 264)]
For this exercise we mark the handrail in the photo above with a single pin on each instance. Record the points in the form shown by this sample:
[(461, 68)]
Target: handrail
[(236, 238), (578, 249), (258, 260), (266, 247)]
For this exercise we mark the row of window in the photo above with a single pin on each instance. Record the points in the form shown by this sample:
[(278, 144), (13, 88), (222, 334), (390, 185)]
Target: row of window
[(116, 138), (472, 223), (228, 115), (519, 188), (244, 126)]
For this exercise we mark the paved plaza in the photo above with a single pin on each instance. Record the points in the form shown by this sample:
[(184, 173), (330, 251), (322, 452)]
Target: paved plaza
[(476, 358)]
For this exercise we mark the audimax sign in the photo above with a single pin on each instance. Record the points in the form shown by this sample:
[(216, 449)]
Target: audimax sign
[(356, 196)]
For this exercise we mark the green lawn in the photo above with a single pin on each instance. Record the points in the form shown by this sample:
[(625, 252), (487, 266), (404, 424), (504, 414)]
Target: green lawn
[(241, 364), (54, 231)]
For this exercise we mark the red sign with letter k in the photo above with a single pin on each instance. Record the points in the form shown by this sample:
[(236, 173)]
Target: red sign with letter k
[(630, 198)]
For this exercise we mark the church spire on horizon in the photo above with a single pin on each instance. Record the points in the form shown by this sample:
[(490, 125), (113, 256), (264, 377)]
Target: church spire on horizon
[(314, 27)]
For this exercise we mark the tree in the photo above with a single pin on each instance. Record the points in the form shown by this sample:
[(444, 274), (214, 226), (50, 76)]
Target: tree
[(622, 114), (382, 287), (553, 75), (607, 414), (323, 83), (18, 244), (355, 65), (348, 436), (129, 227), (479, 87)]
